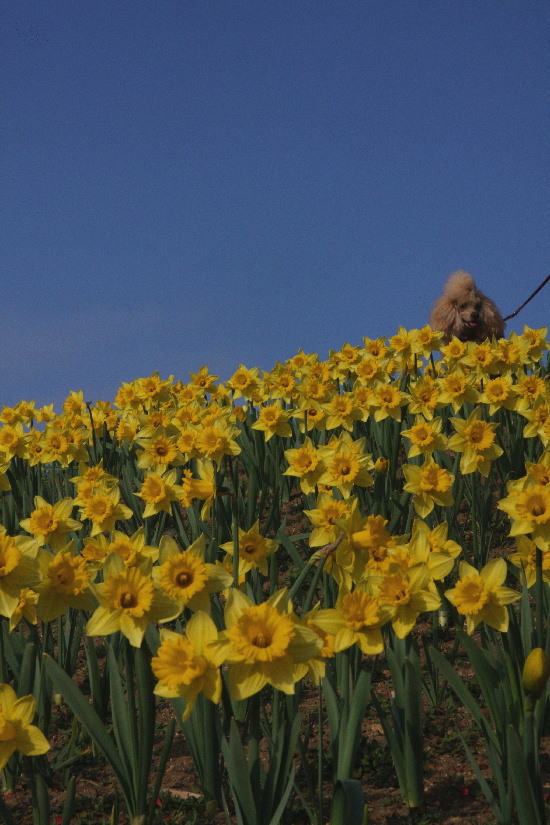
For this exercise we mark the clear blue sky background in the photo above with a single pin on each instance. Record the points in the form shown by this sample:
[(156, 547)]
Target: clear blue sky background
[(192, 182)]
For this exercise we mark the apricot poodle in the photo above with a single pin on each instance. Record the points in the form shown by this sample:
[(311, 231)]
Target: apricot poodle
[(466, 312)]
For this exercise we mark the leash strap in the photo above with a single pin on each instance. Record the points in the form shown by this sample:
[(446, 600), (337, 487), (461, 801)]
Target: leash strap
[(513, 315)]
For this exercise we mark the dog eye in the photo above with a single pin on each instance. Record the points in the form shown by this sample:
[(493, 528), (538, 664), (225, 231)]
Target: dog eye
[(463, 306)]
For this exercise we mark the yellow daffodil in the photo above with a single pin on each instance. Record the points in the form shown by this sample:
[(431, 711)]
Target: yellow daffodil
[(430, 484), (499, 393), (16, 731), (388, 401), (160, 451), (66, 580), (511, 353), (25, 608), (371, 372), (454, 351), (95, 474), (186, 576), (423, 548), (153, 389), (534, 676), (305, 463), (531, 387), (302, 361), (347, 465), (244, 382), (425, 397), (324, 518), (186, 665), (216, 440), (537, 417), (264, 644), (408, 593), (203, 380), (475, 439), (282, 383), (51, 523), (403, 344), (311, 415), (13, 441), (357, 618), (458, 389), (341, 411), (158, 491), (529, 511), (131, 549), (425, 437), (317, 665), (254, 550), (377, 347), (481, 358), (9, 415), (434, 541), (18, 569), (273, 420), (481, 596), (128, 601), (202, 488), (525, 558), (536, 340), (104, 509)]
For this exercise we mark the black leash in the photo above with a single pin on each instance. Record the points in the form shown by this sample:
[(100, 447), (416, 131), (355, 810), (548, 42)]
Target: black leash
[(513, 315)]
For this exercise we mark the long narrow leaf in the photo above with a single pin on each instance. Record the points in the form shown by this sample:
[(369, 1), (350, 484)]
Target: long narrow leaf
[(93, 724)]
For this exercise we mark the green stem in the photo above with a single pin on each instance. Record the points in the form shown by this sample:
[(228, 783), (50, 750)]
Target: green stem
[(539, 596)]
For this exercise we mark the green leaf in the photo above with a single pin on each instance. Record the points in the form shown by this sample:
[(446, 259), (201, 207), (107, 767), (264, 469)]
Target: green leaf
[(91, 721), (350, 737), (348, 804), (239, 778), (123, 726), (528, 811)]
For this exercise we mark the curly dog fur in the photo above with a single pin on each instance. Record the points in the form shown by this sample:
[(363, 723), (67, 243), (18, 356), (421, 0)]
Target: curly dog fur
[(466, 312)]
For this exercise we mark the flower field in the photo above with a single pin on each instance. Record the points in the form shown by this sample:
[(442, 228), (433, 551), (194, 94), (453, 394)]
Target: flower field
[(273, 558)]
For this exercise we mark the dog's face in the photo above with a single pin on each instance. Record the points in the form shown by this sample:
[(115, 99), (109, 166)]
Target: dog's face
[(468, 308)]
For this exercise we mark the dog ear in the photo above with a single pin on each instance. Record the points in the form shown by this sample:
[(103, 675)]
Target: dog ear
[(446, 318), (491, 319)]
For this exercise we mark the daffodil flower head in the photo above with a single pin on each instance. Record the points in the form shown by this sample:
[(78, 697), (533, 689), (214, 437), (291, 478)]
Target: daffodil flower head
[(265, 644), (409, 593), (104, 509), (185, 575), (529, 511), (187, 665), (475, 439), (254, 550), (525, 558), (481, 596), (16, 731), (18, 569), (158, 491), (128, 600), (425, 437), (430, 484), (324, 518), (51, 522), (66, 583), (305, 463)]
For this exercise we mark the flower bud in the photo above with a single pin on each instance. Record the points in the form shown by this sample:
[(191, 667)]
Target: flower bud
[(382, 466), (535, 673)]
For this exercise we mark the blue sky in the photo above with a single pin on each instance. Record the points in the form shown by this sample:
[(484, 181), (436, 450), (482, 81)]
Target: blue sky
[(218, 182)]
